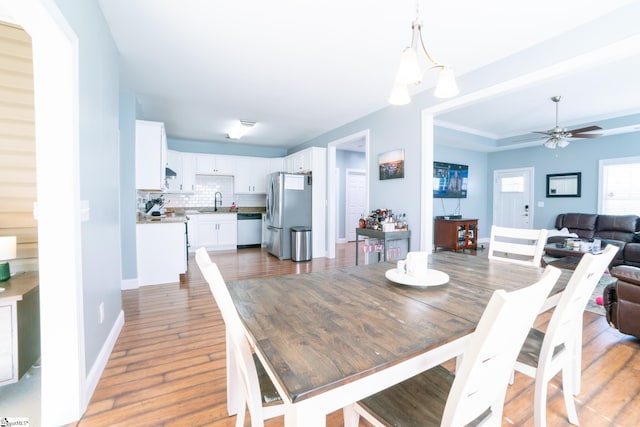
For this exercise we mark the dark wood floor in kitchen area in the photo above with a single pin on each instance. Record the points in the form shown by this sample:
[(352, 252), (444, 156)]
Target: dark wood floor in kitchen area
[(168, 365)]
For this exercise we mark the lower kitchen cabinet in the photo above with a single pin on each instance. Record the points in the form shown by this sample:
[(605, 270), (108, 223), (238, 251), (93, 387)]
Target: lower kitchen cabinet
[(160, 252), (216, 232)]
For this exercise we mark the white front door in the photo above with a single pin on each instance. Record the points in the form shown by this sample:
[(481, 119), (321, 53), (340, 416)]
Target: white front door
[(513, 198), (355, 201)]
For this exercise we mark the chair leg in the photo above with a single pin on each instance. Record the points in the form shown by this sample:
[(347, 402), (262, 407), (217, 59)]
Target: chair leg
[(568, 383), (351, 417), (240, 417), (540, 403)]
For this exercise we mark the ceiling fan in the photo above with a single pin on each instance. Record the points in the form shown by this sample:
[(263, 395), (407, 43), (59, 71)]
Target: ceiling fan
[(558, 136)]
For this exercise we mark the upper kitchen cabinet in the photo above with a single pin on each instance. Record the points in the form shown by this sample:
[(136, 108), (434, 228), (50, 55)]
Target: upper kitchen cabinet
[(276, 164), (184, 165), (251, 175), (174, 162), (299, 162), (151, 155), (208, 164)]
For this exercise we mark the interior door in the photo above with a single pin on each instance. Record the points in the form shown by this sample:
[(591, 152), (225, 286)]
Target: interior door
[(355, 201), (513, 198)]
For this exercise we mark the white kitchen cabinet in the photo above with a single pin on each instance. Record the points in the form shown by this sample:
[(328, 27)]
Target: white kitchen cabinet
[(160, 252), (276, 164), (183, 164), (210, 164), (215, 232), (300, 162), (251, 175), (174, 162), (188, 173), (151, 155)]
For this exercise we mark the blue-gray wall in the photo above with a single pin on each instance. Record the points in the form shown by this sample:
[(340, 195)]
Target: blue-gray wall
[(128, 107), (99, 160), (581, 155), (475, 204)]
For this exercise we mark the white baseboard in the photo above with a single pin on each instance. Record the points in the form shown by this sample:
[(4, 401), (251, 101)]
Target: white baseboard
[(101, 361), (129, 284)]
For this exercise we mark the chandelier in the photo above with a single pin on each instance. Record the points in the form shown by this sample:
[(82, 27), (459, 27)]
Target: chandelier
[(409, 70)]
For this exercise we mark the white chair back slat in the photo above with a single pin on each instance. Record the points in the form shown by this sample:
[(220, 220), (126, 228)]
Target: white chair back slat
[(516, 245)]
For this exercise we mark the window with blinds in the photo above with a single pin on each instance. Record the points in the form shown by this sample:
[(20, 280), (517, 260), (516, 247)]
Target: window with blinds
[(17, 142), (619, 191)]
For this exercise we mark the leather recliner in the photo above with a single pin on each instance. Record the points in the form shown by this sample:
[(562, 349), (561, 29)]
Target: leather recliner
[(622, 300)]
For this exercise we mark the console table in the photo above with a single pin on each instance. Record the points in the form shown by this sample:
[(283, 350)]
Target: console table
[(19, 325), (455, 234), (385, 236)]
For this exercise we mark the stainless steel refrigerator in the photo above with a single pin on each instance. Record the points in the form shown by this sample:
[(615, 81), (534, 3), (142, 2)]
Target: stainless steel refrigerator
[(288, 205)]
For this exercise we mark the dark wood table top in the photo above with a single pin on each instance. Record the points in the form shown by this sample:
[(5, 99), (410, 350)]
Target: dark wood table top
[(321, 330)]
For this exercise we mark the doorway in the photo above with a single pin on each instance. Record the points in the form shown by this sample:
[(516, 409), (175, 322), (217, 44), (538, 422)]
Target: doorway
[(55, 53), (357, 143), (355, 191), (513, 197)]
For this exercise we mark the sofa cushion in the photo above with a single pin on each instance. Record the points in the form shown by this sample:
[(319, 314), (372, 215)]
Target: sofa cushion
[(632, 254), (584, 225), (616, 227), (627, 274)]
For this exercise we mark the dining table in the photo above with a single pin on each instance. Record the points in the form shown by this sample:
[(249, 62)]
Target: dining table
[(330, 338)]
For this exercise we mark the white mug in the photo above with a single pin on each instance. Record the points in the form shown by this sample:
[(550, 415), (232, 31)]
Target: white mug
[(417, 262), (402, 267)]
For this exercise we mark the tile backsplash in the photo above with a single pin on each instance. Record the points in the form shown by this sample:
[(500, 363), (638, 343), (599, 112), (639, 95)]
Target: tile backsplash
[(205, 189)]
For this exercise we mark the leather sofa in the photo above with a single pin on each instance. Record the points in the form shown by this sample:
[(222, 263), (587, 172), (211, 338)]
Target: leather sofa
[(622, 300), (620, 230)]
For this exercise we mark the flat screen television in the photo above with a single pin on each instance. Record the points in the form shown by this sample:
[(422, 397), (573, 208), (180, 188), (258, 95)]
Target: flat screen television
[(450, 180)]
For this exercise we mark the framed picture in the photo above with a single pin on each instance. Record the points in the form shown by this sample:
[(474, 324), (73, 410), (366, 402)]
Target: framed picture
[(564, 184), (391, 164)]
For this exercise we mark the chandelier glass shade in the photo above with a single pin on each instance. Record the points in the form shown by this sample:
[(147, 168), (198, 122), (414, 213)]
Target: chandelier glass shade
[(409, 72)]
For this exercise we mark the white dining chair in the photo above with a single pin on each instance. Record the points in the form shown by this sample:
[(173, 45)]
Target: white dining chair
[(476, 392), (522, 246), (544, 354), (259, 395)]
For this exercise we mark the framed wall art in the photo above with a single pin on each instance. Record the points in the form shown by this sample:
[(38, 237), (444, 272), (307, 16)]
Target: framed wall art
[(391, 164)]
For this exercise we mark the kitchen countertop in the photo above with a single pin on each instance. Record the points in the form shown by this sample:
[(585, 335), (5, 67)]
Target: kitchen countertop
[(175, 215), (167, 219)]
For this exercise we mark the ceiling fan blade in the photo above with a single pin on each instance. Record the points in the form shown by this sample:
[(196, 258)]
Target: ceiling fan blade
[(585, 129), (586, 135), (542, 132)]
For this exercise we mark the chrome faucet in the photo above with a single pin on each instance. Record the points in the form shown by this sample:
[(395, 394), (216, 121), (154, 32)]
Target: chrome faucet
[(215, 201)]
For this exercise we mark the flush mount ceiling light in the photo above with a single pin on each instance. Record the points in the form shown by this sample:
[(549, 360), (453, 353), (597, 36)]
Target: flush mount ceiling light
[(239, 129), (409, 69)]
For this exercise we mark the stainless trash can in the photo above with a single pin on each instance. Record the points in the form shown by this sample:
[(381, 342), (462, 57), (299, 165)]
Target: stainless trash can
[(300, 243)]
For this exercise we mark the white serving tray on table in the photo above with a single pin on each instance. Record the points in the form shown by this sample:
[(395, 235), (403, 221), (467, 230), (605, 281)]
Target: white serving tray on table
[(426, 277)]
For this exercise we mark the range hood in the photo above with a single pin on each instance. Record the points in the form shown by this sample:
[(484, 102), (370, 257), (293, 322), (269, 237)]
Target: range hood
[(169, 173)]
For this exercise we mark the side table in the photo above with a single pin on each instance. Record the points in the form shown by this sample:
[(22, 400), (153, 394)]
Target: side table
[(385, 236)]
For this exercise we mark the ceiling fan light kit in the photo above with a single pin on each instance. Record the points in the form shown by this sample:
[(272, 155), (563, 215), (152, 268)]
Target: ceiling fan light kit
[(558, 136), (409, 70)]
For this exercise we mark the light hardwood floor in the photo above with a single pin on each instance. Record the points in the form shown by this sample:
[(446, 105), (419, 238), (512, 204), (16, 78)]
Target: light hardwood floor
[(168, 365)]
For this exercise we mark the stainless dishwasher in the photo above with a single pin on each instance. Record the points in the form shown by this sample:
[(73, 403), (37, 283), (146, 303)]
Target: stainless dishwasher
[(249, 230)]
